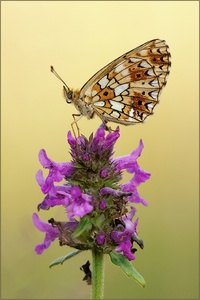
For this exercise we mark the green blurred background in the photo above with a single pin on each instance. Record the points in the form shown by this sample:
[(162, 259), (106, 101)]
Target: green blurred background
[(79, 38)]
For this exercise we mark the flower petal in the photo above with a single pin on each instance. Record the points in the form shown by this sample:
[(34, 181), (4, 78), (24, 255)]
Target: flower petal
[(51, 233)]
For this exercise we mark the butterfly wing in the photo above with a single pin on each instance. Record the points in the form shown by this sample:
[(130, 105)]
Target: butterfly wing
[(127, 89)]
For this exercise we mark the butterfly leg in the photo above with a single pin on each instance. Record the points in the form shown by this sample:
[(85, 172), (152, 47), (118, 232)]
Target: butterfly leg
[(75, 123), (104, 123)]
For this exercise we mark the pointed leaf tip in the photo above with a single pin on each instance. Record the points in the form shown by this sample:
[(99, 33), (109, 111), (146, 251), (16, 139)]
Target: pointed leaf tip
[(61, 260), (127, 267)]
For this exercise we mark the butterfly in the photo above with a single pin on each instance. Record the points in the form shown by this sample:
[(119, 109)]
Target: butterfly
[(127, 89)]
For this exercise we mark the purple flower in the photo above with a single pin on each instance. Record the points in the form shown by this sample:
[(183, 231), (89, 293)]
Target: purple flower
[(123, 238), (99, 207), (100, 238), (102, 204), (104, 173), (80, 203), (51, 233)]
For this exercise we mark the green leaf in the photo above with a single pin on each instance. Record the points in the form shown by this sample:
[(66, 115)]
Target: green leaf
[(64, 258), (84, 225), (121, 261), (98, 220)]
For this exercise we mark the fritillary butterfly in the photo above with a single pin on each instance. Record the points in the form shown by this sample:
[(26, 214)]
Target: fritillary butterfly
[(126, 90)]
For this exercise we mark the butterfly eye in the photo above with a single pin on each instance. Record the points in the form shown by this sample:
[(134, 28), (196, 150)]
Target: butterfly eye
[(67, 94), (69, 97)]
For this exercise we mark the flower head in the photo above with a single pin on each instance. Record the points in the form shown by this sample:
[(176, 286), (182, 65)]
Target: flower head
[(99, 207)]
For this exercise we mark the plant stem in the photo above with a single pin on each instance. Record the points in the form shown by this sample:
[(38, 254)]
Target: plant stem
[(97, 275)]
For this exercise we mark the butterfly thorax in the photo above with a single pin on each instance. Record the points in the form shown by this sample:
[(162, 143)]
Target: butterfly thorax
[(85, 108)]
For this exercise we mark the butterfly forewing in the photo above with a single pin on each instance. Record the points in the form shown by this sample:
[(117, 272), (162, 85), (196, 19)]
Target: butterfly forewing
[(127, 90)]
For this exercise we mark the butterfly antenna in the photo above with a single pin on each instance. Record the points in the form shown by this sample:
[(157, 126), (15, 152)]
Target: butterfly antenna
[(56, 74)]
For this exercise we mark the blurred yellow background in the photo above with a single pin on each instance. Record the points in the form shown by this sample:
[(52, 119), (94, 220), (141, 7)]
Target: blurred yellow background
[(78, 38)]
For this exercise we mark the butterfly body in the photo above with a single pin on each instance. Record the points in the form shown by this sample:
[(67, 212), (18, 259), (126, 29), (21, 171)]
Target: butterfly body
[(126, 90)]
